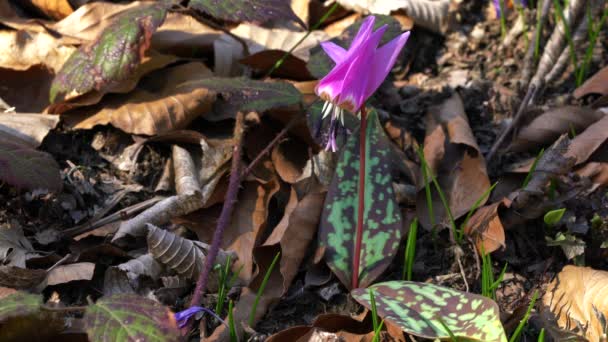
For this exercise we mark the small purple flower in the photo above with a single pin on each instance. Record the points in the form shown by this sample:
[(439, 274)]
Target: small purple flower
[(183, 316), (359, 71), (497, 8)]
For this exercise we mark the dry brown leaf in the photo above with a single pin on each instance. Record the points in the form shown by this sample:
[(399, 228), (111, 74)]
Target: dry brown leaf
[(572, 296), (21, 278), (162, 103), (292, 67), (295, 231), (453, 156), (289, 159), (597, 84), (228, 51), (54, 9), (547, 127), (7, 10), (22, 50), (486, 228), (29, 127), (65, 273), (333, 326), (29, 90), (585, 144), (597, 172)]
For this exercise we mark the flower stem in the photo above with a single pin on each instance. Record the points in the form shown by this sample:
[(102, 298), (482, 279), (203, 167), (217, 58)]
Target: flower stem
[(361, 206)]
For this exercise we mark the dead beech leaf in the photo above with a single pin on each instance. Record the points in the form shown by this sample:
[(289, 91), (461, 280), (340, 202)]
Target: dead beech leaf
[(65, 273), (597, 172), (54, 9), (334, 326), (585, 144), (289, 159), (166, 100), (23, 49), (572, 296), (21, 278), (29, 127), (547, 127), (454, 158), (29, 90), (228, 51), (486, 228), (596, 84)]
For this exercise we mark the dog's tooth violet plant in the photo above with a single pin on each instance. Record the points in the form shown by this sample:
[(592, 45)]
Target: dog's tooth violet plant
[(358, 73)]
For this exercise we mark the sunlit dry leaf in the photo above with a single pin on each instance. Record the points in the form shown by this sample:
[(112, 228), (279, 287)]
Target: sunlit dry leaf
[(289, 159), (54, 9), (166, 100), (547, 127), (453, 156), (228, 51), (66, 273), (597, 84), (29, 127), (486, 228), (572, 296), (22, 50)]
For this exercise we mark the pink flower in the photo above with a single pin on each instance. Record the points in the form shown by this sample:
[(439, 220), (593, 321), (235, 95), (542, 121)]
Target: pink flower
[(359, 71)]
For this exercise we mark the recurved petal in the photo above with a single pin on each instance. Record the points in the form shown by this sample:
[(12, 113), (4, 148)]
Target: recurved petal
[(383, 60), (335, 52), (364, 32)]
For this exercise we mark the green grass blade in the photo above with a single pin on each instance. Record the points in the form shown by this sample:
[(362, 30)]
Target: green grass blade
[(231, 324), (533, 168), (377, 332), (524, 320), (410, 251), (541, 336), (593, 35), (372, 300), (221, 294), (262, 288)]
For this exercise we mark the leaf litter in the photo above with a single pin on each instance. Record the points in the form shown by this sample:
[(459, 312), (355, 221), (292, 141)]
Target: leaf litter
[(129, 130)]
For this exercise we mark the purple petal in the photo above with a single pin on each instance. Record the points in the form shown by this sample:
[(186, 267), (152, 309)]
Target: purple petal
[(497, 7), (335, 52), (383, 61), (182, 317), (364, 31), (353, 93)]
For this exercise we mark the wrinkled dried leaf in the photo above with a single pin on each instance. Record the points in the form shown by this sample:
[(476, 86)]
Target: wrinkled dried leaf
[(112, 57), (66, 273), (381, 215), (258, 11), (23, 49), (289, 159), (167, 100), (547, 127), (453, 156), (572, 296), (143, 265), (571, 245), (54, 9), (228, 51), (129, 318), (596, 84), (29, 127), (21, 278), (13, 246), (585, 144), (486, 228), (25, 167), (418, 308)]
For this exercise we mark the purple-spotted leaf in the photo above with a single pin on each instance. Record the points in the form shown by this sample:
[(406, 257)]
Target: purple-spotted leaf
[(257, 11), (128, 317), (242, 94), (424, 310), (19, 304), (382, 217), (23, 166), (112, 57)]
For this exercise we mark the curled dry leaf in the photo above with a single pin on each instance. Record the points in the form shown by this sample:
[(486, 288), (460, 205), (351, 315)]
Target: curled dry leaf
[(453, 156), (590, 141), (24, 49), (54, 9), (186, 257), (166, 100), (29, 127), (486, 228), (289, 159), (72, 272), (143, 265), (597, 84), (578, 296), (547, 127), (14, 246)]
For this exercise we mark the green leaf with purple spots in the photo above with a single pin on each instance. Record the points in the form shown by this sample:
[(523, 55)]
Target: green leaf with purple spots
[(112, 57), (128, 317), (19, 304), (382, 216), (257, 11), (425, 310), (243, 94)]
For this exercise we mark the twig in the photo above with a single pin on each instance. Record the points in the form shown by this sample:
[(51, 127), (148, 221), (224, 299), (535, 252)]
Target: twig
[(224, 219)]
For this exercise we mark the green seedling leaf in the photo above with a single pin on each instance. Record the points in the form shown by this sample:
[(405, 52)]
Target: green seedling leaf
[(320, 64), (19, 304), (243, 94), (112, 57), (128, 317), (554, 216), (425, 310), (257, 11), (23, 166), (382, 217)]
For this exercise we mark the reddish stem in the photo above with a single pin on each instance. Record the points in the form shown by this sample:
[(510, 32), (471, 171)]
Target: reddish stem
[(361, 206)]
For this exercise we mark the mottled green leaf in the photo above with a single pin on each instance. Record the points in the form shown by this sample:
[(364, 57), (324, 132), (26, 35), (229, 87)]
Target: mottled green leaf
[(421, 308), (243, 94), (382, 217), (113, 56), (19, 304), (320, 64), (23, 166), (128, 317), (257, 11)]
